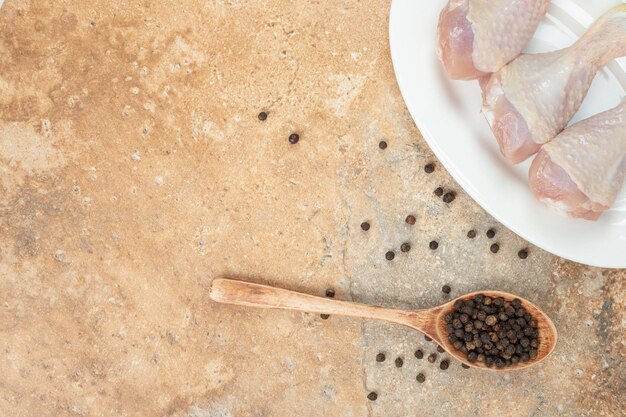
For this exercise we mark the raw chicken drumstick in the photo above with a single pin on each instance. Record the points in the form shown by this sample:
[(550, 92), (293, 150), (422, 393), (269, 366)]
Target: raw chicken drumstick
[(529, 101), (477, 37), (581, 171)]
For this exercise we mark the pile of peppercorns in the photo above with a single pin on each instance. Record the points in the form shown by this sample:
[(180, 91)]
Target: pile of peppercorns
[(494, 331)]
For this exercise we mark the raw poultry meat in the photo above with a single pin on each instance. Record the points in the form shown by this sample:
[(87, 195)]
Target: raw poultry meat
[(529, 101), (581, 171), (477, 37)]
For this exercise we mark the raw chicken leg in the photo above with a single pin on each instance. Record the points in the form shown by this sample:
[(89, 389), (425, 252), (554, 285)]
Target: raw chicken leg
[(581, 171), (529, 101), (476, 37)]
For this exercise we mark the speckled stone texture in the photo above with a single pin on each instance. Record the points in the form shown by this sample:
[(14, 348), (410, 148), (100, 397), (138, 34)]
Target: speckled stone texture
[(134, 170)]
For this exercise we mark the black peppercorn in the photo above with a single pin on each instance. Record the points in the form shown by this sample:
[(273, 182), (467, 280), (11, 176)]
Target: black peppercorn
[(294, 138), (419, 354), (262, 116), (491, 233), (449, 197), (405, 247), (494, 248), (472, 356), (446, 289), (523, 254), (471, 234), (330, 293), (372, 396), (433, 245), (410, 219), (443, 365), (399, 362), (465, 366), (365, 226), (324, 316), (390, 255), (382, 144), (429, 168), (428, 339), (420, 378), (432, 358), (440, 349), (438, 191), (380, 357)]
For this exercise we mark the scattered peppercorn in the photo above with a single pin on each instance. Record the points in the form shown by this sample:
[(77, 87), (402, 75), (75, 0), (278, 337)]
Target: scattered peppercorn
[(449, 197), (446, 289), (433, 245), (294, 138), (330, 293), (420, 378), (492, 331), (399, 362), (410, 219), (405, 247), (365, 226), (324, 316), (444, 364), (491, 233), (523, 254), (382, 144), (465, 366), (262, 116), (390, 255), (432, 358), (429, 168), (494, 248), (427, 338), (380, 357), (438, 191), (471, 234), (372, 396), (440, 349), (419, 354)]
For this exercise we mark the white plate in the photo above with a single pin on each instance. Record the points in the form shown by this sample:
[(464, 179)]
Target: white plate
[(448, 115)]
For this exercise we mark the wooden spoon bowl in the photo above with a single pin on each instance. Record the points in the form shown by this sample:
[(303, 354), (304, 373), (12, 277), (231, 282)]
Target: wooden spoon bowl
[(547, 332), (431, 321)]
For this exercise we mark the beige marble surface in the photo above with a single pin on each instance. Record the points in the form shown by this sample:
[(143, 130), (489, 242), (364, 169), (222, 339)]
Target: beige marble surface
[(134, 170)]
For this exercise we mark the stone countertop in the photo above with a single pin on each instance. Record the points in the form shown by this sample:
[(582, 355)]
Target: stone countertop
[(134, 170)]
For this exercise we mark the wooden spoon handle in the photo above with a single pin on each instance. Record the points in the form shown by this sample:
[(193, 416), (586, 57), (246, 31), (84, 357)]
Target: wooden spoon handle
[(256, 295)]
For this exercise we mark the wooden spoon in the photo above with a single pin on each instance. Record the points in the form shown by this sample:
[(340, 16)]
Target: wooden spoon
[(430, 321)]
